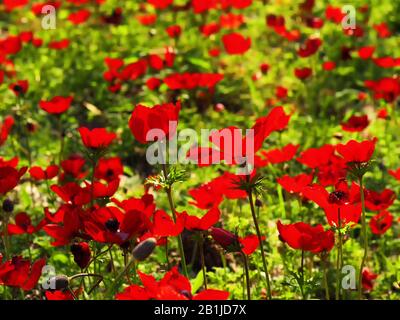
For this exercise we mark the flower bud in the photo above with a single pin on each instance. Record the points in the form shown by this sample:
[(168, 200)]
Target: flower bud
[(60, 282), (144, 249), (258, 203), (226, 239), (81, 253), (8, 206)]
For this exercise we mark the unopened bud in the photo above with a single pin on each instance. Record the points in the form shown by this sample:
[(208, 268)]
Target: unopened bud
[(226, 239), (144, 249), (8, 206), (258, 203), (60, 282)]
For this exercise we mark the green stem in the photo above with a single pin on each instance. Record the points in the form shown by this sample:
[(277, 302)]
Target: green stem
[(253, 213), (246, 269), (338, 259), (365, 238), (203, 265), (324, 265), (302, 275)]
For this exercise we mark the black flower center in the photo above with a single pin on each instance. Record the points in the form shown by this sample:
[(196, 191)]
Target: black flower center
[(112, 225)]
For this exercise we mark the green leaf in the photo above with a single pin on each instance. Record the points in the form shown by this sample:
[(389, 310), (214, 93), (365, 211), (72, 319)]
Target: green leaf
[(197, 282)]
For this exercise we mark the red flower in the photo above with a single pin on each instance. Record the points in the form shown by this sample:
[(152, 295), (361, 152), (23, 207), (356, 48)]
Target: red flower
[(310, 47), (103, 190), (73, 167), (381, 222), (305, 237), (231, 21), (210, 28), (72, 193), (79, 17), (5, 129), (23, 225), (190, 81), (295, 184), (174, 31), (59, 45), (109, 169), (203, 223), (56, 105), (163, 117), (19, 272), (173, 286), (49, 173), (250, 243), (376, 201), (285, 154), (164, 226), (160, 4), (281, 92), (355, 124), (20, 87), (14, 4), (9, 178), (147, 19), (82, 254), (395, 174), (359, 152), (97, 138), (59, 295), (366, 52), (329, 65), (153, 83), (383, 30), (10, 45), (206, 196), (382, 113), (302, 73), (368, 278), (235, 43)]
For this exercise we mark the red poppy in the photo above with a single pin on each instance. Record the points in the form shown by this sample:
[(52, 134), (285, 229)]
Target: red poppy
[(97, 138), (9, 178), (38, 7), (5, 129), (359, 152), (59, 44), (381, 222), (376, 201), (235, 43), (82, 254), (203, 223), (160, 4), (329, 65), (190, 81), (200, 6), (109, 169), (39, 174), (72, 193), (173, 286), (14, 4), (19, 272), (174, 31), (231, 21), (164, 226), (284, 154), (383, 30), (281, 92), (355, 123), (395, 174), (23, 225), (10, 45), (210, 28), (9, 163), (305, 237), (368, 278), (56, 105), (153, 83), (73, 167), (382, 114), (366, 52), (302, 73), (334, 14), (341, 204), (295, 184), (206, 196), (310, 47), (20, 87), (163, 117), (147, 19), (250, 243), (79, 17), (59, 295)]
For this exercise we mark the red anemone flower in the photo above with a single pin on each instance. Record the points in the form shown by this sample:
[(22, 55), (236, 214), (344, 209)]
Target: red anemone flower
[(235, 43), (9, 178), (310, 47), (305, 237), (284, 154), (73, 167), (204, 223), (368, 278), (163, 117), (79, 17), (39, 174), (5, 129), (20, 87), (23, 225), (174, 31), (72, 193), (302, 73), (56, 105), (160, 4), (173, 286), (109, 169), (97, 138), (164, 226), (355, 124), (395, 174), (19, 272), (381, 222), (14, 4), (376, 201), (358, 152), (250, 243), (295, 184)]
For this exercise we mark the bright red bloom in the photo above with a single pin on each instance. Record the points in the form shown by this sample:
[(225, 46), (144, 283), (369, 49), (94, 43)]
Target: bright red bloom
[(190, 81), (210, 28), (9, 178), (109, 169), (10, 45), (79, 17), (329, 65), (355, 123), (164, 226), (381, 222), (250, 243), (73, 167), (153, 83), (206, 196), (147, 19), (72, 193), (366, 52), (163, 117), (231, 21), (173, 286), (281, 92), (368, 278), (382, 113), (39, 174), (235, 43), (56, 105), (20, 87), (395, 174), (19, 272), (38, 6), (59, 45), (383, 30), (14, 4), (97, 138), (302, 73), (305, 237), (284, 154), (359, 152), (174, 31), (295, 184), (5, 129), (59, 295), (23, 225), (203, 223), (376, 201), (82, 254), (310, 47), (160, 4)]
